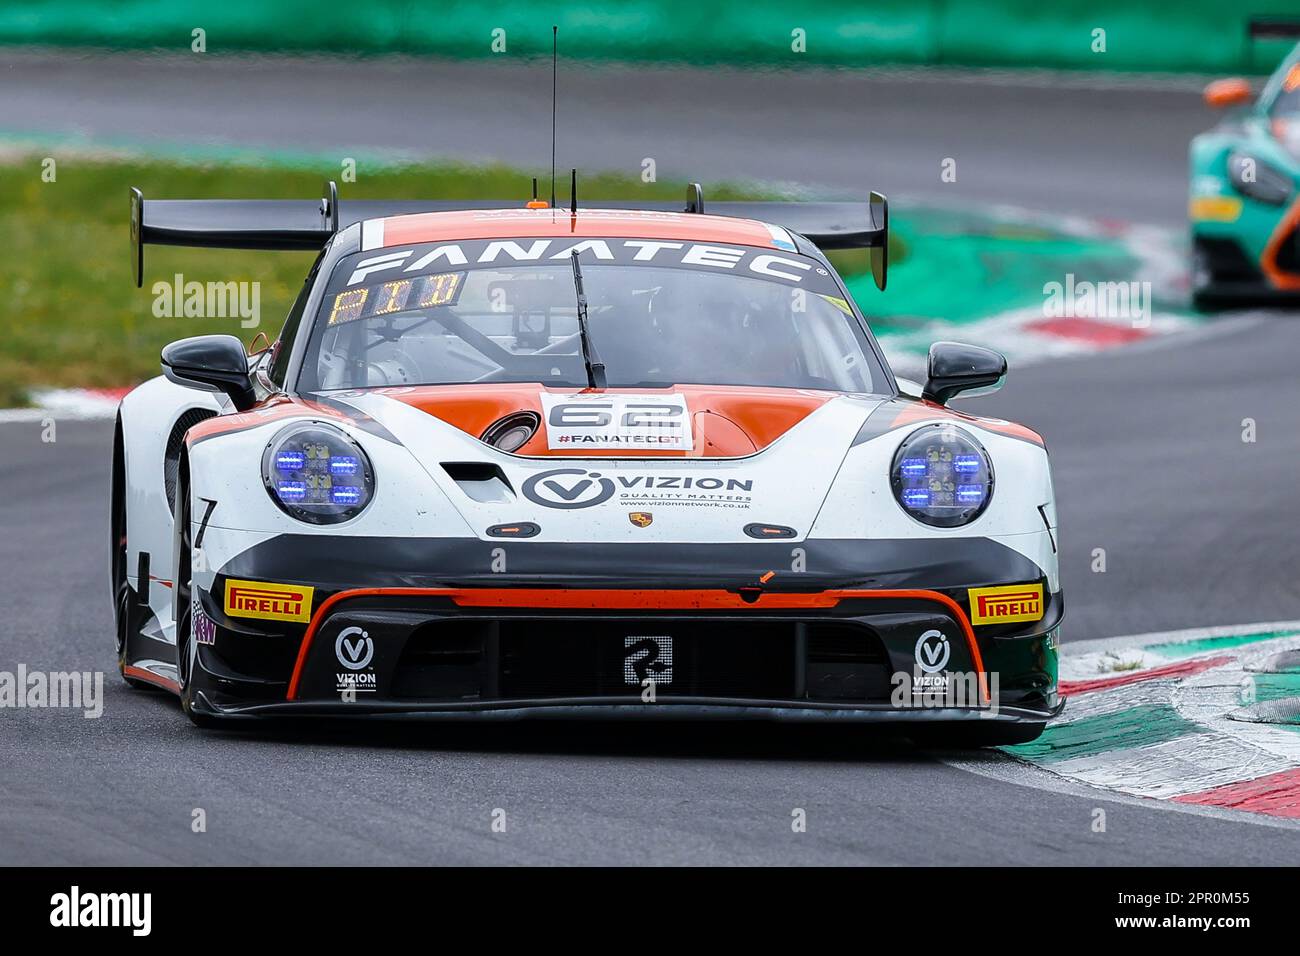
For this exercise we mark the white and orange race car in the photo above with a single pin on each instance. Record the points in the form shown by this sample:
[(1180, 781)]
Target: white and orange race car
[(505, 461)]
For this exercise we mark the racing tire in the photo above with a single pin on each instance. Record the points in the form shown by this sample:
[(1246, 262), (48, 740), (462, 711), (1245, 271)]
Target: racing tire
[(124, 596), (186, 648), (1208, 303), (186, 654), (1203, 300), (124, 612), (1208, 295)]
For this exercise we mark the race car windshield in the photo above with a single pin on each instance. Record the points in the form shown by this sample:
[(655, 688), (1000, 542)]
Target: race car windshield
[(1287, 105), (508, 312)]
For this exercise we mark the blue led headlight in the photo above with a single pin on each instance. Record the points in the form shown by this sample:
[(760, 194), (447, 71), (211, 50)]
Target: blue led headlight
[(942, 476), (317, 474)]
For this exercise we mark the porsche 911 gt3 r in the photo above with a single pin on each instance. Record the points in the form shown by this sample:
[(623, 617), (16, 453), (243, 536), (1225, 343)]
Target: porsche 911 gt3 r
[(1245, 193), (525, 462)]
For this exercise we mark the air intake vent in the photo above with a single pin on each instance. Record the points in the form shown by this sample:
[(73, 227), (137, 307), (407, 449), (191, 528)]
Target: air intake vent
[(175, 442), (846, 662), (482, 481)]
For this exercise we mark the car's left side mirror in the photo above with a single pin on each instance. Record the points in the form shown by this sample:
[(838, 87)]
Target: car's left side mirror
[(212, 363), (955, 368), (1230, 92)]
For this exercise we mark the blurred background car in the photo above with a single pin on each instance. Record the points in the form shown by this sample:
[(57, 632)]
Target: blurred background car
[(1243, 177)]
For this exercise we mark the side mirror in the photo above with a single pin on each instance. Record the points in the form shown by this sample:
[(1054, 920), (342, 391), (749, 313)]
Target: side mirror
[(1229, 92), (956, 368), (214, 363)]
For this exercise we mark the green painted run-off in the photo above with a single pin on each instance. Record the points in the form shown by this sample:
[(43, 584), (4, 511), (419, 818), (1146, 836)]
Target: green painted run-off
[(1135, 727), (1206, 645)]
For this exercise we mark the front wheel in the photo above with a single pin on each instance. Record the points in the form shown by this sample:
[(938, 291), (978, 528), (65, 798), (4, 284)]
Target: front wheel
[(187, 650), (1208, 303), (125, 618), (186, 657), (1208, 286)]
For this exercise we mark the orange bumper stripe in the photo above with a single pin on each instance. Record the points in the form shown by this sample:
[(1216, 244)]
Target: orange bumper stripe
[(149, 677), (632, 599)]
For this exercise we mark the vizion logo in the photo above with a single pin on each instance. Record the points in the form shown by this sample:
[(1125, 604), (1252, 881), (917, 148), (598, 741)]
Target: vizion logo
[(568, 488)]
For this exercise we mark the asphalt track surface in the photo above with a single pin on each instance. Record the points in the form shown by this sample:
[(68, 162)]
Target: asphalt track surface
[(1199, 528)]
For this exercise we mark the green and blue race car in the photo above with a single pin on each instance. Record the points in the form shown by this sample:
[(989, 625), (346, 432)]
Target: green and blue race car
[(1245, 194)]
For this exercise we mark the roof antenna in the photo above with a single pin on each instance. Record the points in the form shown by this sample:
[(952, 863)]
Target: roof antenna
[(555, 45), (573, 194), (534, 203)]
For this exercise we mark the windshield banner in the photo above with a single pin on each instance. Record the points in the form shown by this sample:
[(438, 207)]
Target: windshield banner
[(788, 268)]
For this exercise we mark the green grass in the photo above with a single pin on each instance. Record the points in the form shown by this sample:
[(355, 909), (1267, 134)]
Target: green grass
[(73, 315)]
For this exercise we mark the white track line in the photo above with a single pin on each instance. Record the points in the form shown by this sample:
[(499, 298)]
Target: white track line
[(996, 765), (61, 404), (1173, 768)]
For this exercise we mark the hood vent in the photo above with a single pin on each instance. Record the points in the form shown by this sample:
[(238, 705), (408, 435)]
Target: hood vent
[(482, 481)]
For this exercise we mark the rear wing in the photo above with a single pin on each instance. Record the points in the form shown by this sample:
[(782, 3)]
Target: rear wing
[(307, 224), (1274, 28)]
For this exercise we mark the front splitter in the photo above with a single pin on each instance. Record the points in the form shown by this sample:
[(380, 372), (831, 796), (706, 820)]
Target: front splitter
[(599, 708)]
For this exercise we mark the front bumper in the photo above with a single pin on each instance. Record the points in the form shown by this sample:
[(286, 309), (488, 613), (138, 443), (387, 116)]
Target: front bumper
[(890, 656), (1220, 261), (1225, 273)]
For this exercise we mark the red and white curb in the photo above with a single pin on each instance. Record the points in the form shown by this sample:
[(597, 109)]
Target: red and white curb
[(1027, 338), (63, 404), (1162, 262), (1207, 718)]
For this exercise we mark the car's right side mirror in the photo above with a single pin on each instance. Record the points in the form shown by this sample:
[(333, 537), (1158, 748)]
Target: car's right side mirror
[(214, 363), (955, 368), (1230, 92)]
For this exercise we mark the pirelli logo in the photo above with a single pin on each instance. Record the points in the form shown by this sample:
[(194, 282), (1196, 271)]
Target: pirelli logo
[(269, 602), (1006, 605)]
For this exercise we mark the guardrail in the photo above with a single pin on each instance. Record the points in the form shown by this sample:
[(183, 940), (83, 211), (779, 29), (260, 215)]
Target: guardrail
[(1204, 36)]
